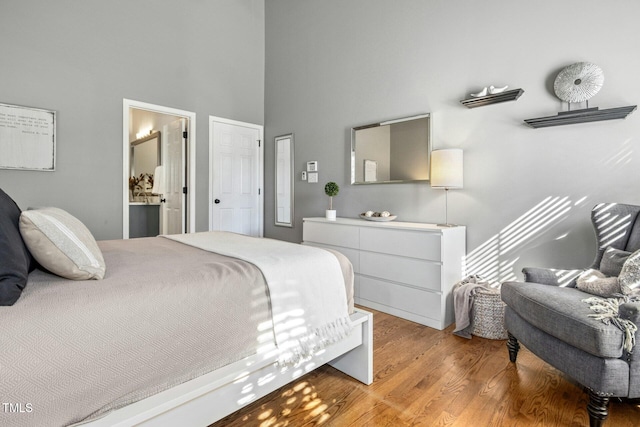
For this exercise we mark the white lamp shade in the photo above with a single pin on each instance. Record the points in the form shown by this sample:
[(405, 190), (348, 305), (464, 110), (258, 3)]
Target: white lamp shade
[(446, 168)]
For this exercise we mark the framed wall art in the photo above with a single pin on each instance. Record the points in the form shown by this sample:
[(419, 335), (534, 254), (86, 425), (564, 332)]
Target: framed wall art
[(27, 138)]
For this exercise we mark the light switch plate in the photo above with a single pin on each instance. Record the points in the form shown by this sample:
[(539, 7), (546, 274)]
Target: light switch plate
[(304, 175), (313, 177)]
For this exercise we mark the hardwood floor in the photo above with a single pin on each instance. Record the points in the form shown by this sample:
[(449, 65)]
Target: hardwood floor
[(425, 377)]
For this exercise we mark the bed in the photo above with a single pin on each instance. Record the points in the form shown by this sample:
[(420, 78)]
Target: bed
[(176, 332)]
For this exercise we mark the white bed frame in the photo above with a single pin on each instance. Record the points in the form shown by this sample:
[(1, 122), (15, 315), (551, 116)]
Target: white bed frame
[(211, 397)]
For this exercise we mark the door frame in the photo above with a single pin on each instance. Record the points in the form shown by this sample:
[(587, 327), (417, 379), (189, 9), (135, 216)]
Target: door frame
[(260, 129), (127, 104)]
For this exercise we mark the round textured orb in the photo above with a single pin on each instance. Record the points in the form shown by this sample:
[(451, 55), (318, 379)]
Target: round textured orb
[(578, 82)]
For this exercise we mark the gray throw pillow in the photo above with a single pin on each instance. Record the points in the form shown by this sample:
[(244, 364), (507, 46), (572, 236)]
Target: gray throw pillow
[(15, 260), (596, 283), (612, 261), (62, 244), (629, 277)]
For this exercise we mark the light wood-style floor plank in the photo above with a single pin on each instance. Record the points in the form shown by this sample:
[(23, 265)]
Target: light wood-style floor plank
[(425, 377)]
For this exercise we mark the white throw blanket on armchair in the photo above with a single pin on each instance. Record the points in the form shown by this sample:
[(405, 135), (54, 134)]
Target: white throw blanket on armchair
[(306, 289)]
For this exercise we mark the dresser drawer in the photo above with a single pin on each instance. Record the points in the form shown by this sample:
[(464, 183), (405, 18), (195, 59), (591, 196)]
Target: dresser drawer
[(401, 268), (416, 272), (415, 244), (414, 301), (331, 234)]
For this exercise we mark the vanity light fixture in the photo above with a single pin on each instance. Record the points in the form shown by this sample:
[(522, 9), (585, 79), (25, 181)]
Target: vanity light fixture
[(446, 173), (143, 133)]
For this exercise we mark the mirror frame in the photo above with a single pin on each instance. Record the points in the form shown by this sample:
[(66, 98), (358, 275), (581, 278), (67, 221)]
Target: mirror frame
[(429, 116), (282, 139)]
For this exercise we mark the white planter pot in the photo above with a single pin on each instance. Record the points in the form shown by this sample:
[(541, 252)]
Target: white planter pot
[(331, 215)]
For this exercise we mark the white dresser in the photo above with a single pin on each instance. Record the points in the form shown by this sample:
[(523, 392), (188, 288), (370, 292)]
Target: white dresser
[(406, 269)]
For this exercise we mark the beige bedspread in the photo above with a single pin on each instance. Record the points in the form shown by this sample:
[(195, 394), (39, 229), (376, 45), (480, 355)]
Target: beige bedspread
[(306, 289), (165, 313)]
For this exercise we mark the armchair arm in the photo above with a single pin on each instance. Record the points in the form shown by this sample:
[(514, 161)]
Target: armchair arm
[(551, 276)]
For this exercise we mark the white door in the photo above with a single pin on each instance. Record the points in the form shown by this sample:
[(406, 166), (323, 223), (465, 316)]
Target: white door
[(236, 178), (173, 160)]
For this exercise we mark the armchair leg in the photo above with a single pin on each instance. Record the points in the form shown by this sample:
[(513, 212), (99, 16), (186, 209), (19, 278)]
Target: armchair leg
[(513, 346), (597, 409)]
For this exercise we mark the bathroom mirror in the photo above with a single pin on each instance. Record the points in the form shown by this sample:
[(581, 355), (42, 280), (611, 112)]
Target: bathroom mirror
[(284, 180), (145, 155), (393, 151)]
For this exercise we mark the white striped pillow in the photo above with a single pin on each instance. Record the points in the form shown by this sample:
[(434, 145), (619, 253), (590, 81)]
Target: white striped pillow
[(62, 244)]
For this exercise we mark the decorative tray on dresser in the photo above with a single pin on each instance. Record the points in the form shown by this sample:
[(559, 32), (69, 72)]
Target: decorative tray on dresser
[(407, 269)]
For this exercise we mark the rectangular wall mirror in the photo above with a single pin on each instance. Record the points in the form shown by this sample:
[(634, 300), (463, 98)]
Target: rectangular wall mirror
[(144, 156), (394, 151), (284, 180)]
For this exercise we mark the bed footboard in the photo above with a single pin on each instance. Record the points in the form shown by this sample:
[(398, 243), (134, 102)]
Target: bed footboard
[(213, 396), (358, 363)]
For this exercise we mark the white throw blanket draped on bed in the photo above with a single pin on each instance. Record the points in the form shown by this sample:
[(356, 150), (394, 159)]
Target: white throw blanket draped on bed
[(306, 289)]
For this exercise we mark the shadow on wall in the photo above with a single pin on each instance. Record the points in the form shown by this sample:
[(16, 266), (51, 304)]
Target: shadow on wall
[(494, 259)]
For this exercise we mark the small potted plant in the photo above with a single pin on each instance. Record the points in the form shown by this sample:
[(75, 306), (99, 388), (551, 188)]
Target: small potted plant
[(331, 190)]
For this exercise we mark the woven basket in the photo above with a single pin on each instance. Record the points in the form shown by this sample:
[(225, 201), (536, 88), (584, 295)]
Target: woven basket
[(488, 315)]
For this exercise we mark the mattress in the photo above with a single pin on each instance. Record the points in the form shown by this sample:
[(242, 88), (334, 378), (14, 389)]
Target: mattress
[(165, 313)]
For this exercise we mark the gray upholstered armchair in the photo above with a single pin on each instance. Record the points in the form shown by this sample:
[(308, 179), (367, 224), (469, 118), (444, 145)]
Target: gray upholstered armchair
[(553, 321)]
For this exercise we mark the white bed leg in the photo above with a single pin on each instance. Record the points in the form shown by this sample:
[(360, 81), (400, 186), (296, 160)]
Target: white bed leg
[(358, 363)]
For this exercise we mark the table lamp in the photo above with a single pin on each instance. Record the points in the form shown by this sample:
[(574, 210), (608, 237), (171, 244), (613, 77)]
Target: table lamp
[(446, 173)]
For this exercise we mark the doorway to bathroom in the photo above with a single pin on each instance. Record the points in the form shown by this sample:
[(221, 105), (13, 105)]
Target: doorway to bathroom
[(158, 170)]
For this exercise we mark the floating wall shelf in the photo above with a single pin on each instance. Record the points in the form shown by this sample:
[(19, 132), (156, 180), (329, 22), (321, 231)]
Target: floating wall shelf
[(481, 101), (581, 116)]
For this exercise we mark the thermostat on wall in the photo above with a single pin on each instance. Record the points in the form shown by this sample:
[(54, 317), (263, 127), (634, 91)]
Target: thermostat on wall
[(312, 166)]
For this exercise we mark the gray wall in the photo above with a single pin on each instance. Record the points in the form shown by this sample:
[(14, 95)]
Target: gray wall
[(81, 58), (335, 64)]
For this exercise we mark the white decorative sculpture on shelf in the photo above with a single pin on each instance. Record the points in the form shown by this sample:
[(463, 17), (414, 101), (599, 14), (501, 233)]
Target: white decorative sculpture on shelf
[(574, 84), (578, 82), (491, 90), (494, 90), (483, 92)]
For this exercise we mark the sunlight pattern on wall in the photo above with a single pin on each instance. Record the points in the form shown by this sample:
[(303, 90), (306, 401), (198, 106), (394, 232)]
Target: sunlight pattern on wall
[(622, 157), (494, 260)]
